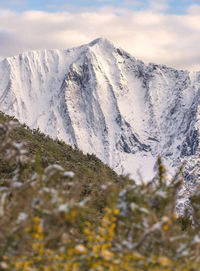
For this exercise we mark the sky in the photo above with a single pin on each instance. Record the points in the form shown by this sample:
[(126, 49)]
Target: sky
[(160, 31)]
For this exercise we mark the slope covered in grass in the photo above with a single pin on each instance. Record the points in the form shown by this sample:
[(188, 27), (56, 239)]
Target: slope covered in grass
[(62, 210), (86, 167)]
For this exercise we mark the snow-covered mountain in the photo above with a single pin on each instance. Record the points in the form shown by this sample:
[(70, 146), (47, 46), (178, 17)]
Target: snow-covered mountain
[(106, 102)]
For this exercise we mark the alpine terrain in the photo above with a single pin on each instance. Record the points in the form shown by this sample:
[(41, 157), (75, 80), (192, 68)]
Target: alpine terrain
[(104, 101)]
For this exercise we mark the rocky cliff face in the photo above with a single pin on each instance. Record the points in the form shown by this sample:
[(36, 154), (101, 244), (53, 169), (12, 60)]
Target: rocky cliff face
[(106, 102)]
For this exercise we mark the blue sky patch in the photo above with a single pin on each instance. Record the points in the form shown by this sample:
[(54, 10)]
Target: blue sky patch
[(174, 6)]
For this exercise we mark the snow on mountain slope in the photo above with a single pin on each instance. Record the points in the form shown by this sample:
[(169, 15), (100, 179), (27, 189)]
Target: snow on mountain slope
[(106, 102)]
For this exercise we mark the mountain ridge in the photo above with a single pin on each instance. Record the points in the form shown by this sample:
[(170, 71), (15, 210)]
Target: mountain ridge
[(106, 102)]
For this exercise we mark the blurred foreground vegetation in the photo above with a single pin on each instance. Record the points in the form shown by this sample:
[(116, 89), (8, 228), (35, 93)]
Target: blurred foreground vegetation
[(62, 210)]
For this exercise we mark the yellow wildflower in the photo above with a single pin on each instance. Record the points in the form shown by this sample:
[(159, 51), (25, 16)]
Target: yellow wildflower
[(80, 248), (164, 261), (106, 254)]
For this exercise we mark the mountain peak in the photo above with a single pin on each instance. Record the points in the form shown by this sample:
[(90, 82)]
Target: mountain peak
[(102, 42)]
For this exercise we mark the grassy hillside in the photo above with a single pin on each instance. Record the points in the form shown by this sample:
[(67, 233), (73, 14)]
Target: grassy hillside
[(85, 166), (62, 210), (89, 172)]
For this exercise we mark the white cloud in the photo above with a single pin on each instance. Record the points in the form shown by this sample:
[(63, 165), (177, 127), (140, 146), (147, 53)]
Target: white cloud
[(150, 35)]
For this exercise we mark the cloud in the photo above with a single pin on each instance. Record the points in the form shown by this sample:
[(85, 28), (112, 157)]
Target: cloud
[(150, 35)]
